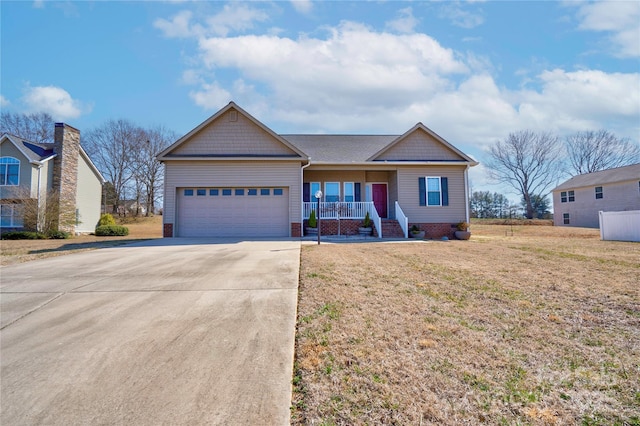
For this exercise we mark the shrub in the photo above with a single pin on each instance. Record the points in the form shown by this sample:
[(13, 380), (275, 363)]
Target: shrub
[(58, 235), (366, 223), (106, 220), (23, 235), (313, 222), (112, 231)]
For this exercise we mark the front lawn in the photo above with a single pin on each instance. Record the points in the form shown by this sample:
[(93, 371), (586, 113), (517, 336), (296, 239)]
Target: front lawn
[(519, 325)]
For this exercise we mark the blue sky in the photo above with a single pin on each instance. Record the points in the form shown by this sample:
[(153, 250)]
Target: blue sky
[(471, 71)]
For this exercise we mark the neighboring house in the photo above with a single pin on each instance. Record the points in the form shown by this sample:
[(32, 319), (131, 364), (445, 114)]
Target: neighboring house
[(58, 172), (577, 201), (233, 176)]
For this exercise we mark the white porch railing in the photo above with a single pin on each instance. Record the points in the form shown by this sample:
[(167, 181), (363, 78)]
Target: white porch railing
[(403, 220), (344, 210), (337, 210)]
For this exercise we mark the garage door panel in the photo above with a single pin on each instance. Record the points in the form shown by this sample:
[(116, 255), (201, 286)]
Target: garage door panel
[(233, 215)]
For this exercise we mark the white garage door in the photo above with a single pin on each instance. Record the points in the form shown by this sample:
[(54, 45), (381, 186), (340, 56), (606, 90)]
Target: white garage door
[(233, 212)]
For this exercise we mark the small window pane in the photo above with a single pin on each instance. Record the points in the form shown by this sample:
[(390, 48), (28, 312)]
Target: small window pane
[(565, 218), (571, 196), (433, 191), (348, 192), (226, 192), (315, 187), (188, 192), (265, 191), (598, 192), (332, 192), (563, 197), (252, 191), (13, 174), (201, 192), (214, 192), (277, 191), (239, 191)]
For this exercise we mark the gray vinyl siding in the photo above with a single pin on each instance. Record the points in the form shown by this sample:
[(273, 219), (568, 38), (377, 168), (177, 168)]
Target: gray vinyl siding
[(240, 137), (190, 174), (27, 172), (420, 146), (88, 197), (409, 195), (583, 212)]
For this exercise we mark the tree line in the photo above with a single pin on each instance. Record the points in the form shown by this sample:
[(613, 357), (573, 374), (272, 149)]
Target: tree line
[(123, 152), (534, 162)]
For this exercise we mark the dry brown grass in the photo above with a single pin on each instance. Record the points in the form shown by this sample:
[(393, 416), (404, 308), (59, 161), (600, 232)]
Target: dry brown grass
[(523, 325), (18, 251)]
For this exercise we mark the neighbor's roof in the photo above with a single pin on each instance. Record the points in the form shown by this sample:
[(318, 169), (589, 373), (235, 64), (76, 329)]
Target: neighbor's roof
[(340, 148), (619, 174), (35, 152)]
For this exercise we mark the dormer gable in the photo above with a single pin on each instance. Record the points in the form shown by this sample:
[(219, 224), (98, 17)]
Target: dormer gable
[(420, 144), (231, 133)]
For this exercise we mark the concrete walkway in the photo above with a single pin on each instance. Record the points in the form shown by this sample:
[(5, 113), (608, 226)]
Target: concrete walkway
[(171, 331)]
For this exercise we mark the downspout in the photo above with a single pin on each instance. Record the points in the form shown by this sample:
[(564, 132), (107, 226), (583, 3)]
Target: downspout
[(38, 224), (466, 194), (302, 193)]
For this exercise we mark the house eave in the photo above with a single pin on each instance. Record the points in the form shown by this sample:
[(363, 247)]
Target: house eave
[(229, 158), (396, 163)]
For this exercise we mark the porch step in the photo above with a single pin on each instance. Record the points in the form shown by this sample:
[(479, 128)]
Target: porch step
[(391, 229)]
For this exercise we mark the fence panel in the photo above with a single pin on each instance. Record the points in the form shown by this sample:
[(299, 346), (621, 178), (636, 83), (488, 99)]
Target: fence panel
[(620, 226)]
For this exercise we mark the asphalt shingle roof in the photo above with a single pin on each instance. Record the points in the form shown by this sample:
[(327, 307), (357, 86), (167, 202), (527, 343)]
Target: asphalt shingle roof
[(340, 148), (34, 151), (619, 174)]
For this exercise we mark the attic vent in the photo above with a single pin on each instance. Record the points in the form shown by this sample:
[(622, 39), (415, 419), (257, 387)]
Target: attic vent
[(233, 115)]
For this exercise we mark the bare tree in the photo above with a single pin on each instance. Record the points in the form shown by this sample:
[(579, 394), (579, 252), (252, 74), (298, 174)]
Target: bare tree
[(35, 127), (527, 161), (112, 147), (591, 151), (149, 172)]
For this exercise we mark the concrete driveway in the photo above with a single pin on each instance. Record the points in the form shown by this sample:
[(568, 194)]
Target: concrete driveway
[(171, 331)]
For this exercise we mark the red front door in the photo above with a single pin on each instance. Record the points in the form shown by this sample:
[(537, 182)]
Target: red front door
[(379, 195)]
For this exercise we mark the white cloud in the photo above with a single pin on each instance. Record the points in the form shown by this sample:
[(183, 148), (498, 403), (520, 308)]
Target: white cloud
[(236, 17), (619, 18), (404, 23), (211, 96), (53, 100), (38, 4), (459, 16), (302, 6), (4, 102)]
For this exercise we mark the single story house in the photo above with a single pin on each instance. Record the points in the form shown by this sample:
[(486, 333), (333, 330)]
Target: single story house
[(577, 201), (39, 174), (233, 176)]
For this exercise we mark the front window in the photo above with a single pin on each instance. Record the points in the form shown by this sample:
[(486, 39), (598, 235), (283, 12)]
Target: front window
[(563, 197), (9, 171), (349, 192), (565, 218), (315, 187), (599, 193), (332, 192), (11, 216), (434, 191), (572, 196)]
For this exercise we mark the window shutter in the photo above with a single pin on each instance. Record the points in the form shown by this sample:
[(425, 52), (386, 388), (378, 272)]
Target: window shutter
[(422, 183), (444, 184), (306, 192), (357, 193)]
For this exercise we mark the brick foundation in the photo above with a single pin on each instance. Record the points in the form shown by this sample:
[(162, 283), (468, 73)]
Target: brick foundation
[(436, 230), (296, 230), (167, 230), (346, 226)]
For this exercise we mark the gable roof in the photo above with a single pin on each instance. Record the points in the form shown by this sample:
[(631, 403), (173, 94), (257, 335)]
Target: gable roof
[(618, 174), (34, 152), (421, 127), (166, 154)]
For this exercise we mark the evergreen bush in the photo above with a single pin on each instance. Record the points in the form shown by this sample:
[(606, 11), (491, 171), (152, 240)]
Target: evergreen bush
[(112, 231), (106, 220)]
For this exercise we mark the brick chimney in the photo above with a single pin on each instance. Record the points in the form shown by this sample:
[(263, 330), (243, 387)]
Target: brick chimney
[(65, 174)]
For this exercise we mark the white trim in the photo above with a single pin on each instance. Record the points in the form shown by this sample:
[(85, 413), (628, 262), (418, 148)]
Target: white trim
[(326, 192), (426, 189)]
